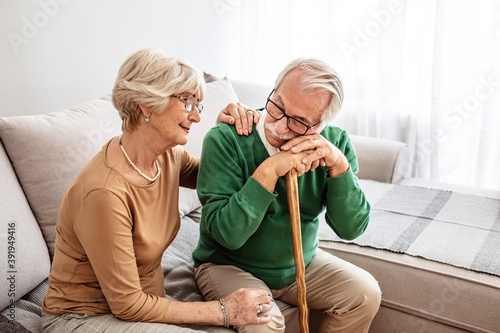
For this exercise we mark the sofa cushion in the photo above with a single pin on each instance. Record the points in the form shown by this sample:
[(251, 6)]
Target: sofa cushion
[(7, 326), (47, 152), (218, 95), (24, 258), (420, 295)]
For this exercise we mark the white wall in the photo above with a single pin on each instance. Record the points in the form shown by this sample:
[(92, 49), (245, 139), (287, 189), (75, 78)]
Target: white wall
[(59, 53)]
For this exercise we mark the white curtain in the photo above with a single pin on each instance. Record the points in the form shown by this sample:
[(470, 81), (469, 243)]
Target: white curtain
[(425, 72)]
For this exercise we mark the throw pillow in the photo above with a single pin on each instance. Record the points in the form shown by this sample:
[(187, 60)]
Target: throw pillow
[(47, 152), (24, 258), (209, 77), (253, 95), (188, 201), (218, 95)]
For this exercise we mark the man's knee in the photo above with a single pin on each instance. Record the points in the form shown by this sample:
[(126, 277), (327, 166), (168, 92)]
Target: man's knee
[(364, 296), (354, 313), (369, 297), (372, 296)]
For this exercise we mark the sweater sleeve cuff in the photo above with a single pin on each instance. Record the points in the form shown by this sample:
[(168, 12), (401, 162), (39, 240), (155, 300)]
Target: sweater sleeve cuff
[(257, 195), (340, 184)]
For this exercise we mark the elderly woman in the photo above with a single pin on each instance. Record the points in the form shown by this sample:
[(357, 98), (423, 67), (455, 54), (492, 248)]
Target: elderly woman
[(120, 213)]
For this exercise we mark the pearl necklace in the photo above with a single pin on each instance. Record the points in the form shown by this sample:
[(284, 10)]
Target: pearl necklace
[(135, 166)]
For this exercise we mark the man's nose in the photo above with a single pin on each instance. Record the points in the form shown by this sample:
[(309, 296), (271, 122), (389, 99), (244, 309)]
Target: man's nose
[(281, 126)]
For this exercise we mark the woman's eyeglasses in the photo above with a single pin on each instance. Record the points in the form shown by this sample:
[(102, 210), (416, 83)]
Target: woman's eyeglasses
[(190, 102)]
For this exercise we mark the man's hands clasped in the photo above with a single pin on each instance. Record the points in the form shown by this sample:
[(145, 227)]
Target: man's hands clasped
[(303, 153), (319, 151)]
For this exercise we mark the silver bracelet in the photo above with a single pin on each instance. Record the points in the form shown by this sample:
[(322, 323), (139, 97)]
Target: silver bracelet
[(224, 312)]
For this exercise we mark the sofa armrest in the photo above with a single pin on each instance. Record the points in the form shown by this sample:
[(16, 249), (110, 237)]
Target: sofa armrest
[(381, 160)]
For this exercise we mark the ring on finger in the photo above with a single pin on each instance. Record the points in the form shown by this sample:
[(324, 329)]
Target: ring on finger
[(259, 308)]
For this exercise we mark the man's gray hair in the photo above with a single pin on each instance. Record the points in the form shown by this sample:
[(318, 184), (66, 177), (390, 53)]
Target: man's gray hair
[(318, 75)]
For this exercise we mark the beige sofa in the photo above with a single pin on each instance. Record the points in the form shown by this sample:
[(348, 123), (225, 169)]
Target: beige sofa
[(41, 154)]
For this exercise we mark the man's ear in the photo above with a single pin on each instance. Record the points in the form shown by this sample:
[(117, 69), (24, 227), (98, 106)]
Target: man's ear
[(145, 110)]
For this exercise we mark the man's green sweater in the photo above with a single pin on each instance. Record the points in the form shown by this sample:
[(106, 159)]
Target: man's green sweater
[(245, 225)]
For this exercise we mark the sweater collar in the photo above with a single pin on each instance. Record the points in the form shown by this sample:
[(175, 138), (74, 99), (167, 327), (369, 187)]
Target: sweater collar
[(262, 133)]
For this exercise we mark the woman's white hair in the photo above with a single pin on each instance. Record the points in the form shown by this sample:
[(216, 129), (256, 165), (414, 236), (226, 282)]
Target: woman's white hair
[(148, 78), (317, 75)]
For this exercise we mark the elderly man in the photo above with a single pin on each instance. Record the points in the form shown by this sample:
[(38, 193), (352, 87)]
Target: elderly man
[(245, 236)]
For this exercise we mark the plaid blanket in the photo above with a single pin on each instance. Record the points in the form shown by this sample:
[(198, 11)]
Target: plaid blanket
[(457, 229)]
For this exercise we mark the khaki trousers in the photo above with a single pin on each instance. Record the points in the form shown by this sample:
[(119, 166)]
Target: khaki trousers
[(346, 296)]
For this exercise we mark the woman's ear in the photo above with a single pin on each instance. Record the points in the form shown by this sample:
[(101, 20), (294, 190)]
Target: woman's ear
[(145, 111)]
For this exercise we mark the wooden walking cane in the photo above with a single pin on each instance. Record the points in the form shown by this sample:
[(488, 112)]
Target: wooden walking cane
[(292, 191)]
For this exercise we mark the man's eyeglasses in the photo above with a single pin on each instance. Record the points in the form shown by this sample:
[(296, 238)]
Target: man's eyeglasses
[(190, 102), (294, 125)]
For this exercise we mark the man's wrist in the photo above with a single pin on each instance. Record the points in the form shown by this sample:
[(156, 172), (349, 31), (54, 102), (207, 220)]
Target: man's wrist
[(339, 169), (266, 177)]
